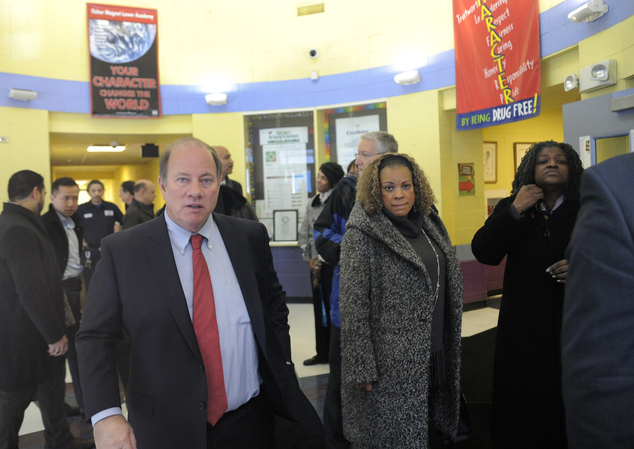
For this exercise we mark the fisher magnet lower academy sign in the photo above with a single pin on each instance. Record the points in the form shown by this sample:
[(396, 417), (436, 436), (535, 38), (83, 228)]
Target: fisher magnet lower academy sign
[(124, 79)]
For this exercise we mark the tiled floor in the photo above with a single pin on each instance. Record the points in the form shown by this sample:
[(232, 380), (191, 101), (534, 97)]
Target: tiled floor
[(312, 378)]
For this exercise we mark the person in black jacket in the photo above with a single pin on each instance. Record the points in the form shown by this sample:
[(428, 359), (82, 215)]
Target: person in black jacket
[(532, 229), (32, 340), (126, 193), (62, 224), (230, 198), (99, 218), (141, 208)]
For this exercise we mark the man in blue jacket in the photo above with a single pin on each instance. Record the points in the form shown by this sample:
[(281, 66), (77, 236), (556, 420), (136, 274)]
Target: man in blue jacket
[(330, 228)]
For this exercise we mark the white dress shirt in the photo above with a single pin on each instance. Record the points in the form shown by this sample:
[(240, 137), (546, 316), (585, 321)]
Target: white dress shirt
[(73, 266)]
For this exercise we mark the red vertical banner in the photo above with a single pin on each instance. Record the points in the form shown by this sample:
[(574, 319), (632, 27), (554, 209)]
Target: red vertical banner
[(498, 71), (124, 77)]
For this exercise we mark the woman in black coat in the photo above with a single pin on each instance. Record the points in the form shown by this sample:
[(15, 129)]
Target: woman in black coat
[(532, 228)]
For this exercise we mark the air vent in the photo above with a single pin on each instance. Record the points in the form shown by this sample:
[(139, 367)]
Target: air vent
[(310, 9)]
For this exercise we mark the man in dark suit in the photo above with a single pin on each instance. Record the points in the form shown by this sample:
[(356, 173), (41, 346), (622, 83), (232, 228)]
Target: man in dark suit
[(142, 206), (62, 225), (230, 198), (146, 282), (32, 340), (126, 193), (597, 338), (227, 168)]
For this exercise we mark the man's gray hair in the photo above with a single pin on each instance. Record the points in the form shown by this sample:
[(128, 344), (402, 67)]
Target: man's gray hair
[(385, 143), (186, 141)]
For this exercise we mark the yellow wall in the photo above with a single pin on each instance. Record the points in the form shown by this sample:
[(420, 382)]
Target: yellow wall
[(201, 43), (226, 130), (28, 148), (547, 126), (614, 43)]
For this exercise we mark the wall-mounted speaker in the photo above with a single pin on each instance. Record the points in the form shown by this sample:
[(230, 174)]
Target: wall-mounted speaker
[(149, 150)]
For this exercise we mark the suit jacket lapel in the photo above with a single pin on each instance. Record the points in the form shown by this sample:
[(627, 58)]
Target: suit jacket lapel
[(158, 249), (241, 261)]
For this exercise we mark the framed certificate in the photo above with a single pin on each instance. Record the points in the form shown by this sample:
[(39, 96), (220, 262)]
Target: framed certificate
[(490, 170), (285, 225), (520, 150)]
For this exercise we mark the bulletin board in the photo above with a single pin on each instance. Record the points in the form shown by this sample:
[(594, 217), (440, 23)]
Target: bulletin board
[(281, 161), (345, 125)]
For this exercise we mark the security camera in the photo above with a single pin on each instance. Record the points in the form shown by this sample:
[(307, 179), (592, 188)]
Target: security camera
[(313, 53)]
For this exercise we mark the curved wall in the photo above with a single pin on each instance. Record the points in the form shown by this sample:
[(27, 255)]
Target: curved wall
[(258, 53)]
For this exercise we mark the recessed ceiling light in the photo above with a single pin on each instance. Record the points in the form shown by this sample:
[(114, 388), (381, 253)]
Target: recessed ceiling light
[(105, 149)]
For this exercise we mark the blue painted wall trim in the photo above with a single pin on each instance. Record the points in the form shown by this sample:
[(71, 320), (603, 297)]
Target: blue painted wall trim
[(557, 33)]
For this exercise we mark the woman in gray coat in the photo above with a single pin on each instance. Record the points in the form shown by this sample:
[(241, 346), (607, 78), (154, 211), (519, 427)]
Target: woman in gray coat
[(401, 311)]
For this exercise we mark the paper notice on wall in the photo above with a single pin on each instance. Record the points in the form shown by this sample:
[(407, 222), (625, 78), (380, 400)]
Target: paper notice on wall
[(349, 131), (272, 136), (585, 153), (285, 176)]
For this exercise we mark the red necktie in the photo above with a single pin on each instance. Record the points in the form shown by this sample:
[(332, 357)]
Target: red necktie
[(206, 329)]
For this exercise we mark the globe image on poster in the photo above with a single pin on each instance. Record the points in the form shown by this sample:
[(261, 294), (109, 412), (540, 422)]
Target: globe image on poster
[(120, 42)]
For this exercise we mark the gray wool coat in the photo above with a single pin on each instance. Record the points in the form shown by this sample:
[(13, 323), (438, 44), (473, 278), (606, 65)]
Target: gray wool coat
[(386, 315)]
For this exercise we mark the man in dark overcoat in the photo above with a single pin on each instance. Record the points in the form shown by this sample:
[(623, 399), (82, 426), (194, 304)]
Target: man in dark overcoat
[(32, 340)]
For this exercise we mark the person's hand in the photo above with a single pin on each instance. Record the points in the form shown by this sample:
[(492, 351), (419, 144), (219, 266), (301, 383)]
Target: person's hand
[(528, 195), (58, 348), (559, 270), (114, 432), (315, 266), (367, 386)]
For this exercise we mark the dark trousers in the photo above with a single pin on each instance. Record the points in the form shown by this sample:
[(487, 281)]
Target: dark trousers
[(251, 426), (72, 287), (88, 271), (321, 308), (333, 421), (50, 397)]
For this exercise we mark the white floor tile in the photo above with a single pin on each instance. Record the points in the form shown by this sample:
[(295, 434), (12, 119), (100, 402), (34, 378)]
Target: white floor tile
[(480, 320), (302, 322)]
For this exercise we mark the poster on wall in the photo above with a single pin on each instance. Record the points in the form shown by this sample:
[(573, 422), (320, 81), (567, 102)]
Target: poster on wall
[(284, 162), (466, 179), (498, 71), (124, 79), (349, 130)]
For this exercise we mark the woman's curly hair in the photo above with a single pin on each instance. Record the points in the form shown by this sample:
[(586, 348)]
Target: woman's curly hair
[(369, 186), (526, 171)]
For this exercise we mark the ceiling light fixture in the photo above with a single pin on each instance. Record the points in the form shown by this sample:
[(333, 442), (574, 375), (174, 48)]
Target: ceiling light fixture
[(406, 78), (22, 94), (216, 99), (589, 12), (105, 149)]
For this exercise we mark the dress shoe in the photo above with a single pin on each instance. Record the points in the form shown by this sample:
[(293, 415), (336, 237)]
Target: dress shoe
[(71, 411), (82, 443), (316, 360)]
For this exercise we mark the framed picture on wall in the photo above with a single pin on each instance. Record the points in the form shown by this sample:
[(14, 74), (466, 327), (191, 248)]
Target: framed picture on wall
[(520, 150), (285, 225), (490, 168)]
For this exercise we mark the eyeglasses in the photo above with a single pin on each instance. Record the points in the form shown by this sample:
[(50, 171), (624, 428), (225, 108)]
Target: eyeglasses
[(367, 155)]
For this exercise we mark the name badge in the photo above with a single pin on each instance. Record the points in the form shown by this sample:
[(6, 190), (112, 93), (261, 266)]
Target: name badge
[(88, 215), (108, 213)]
